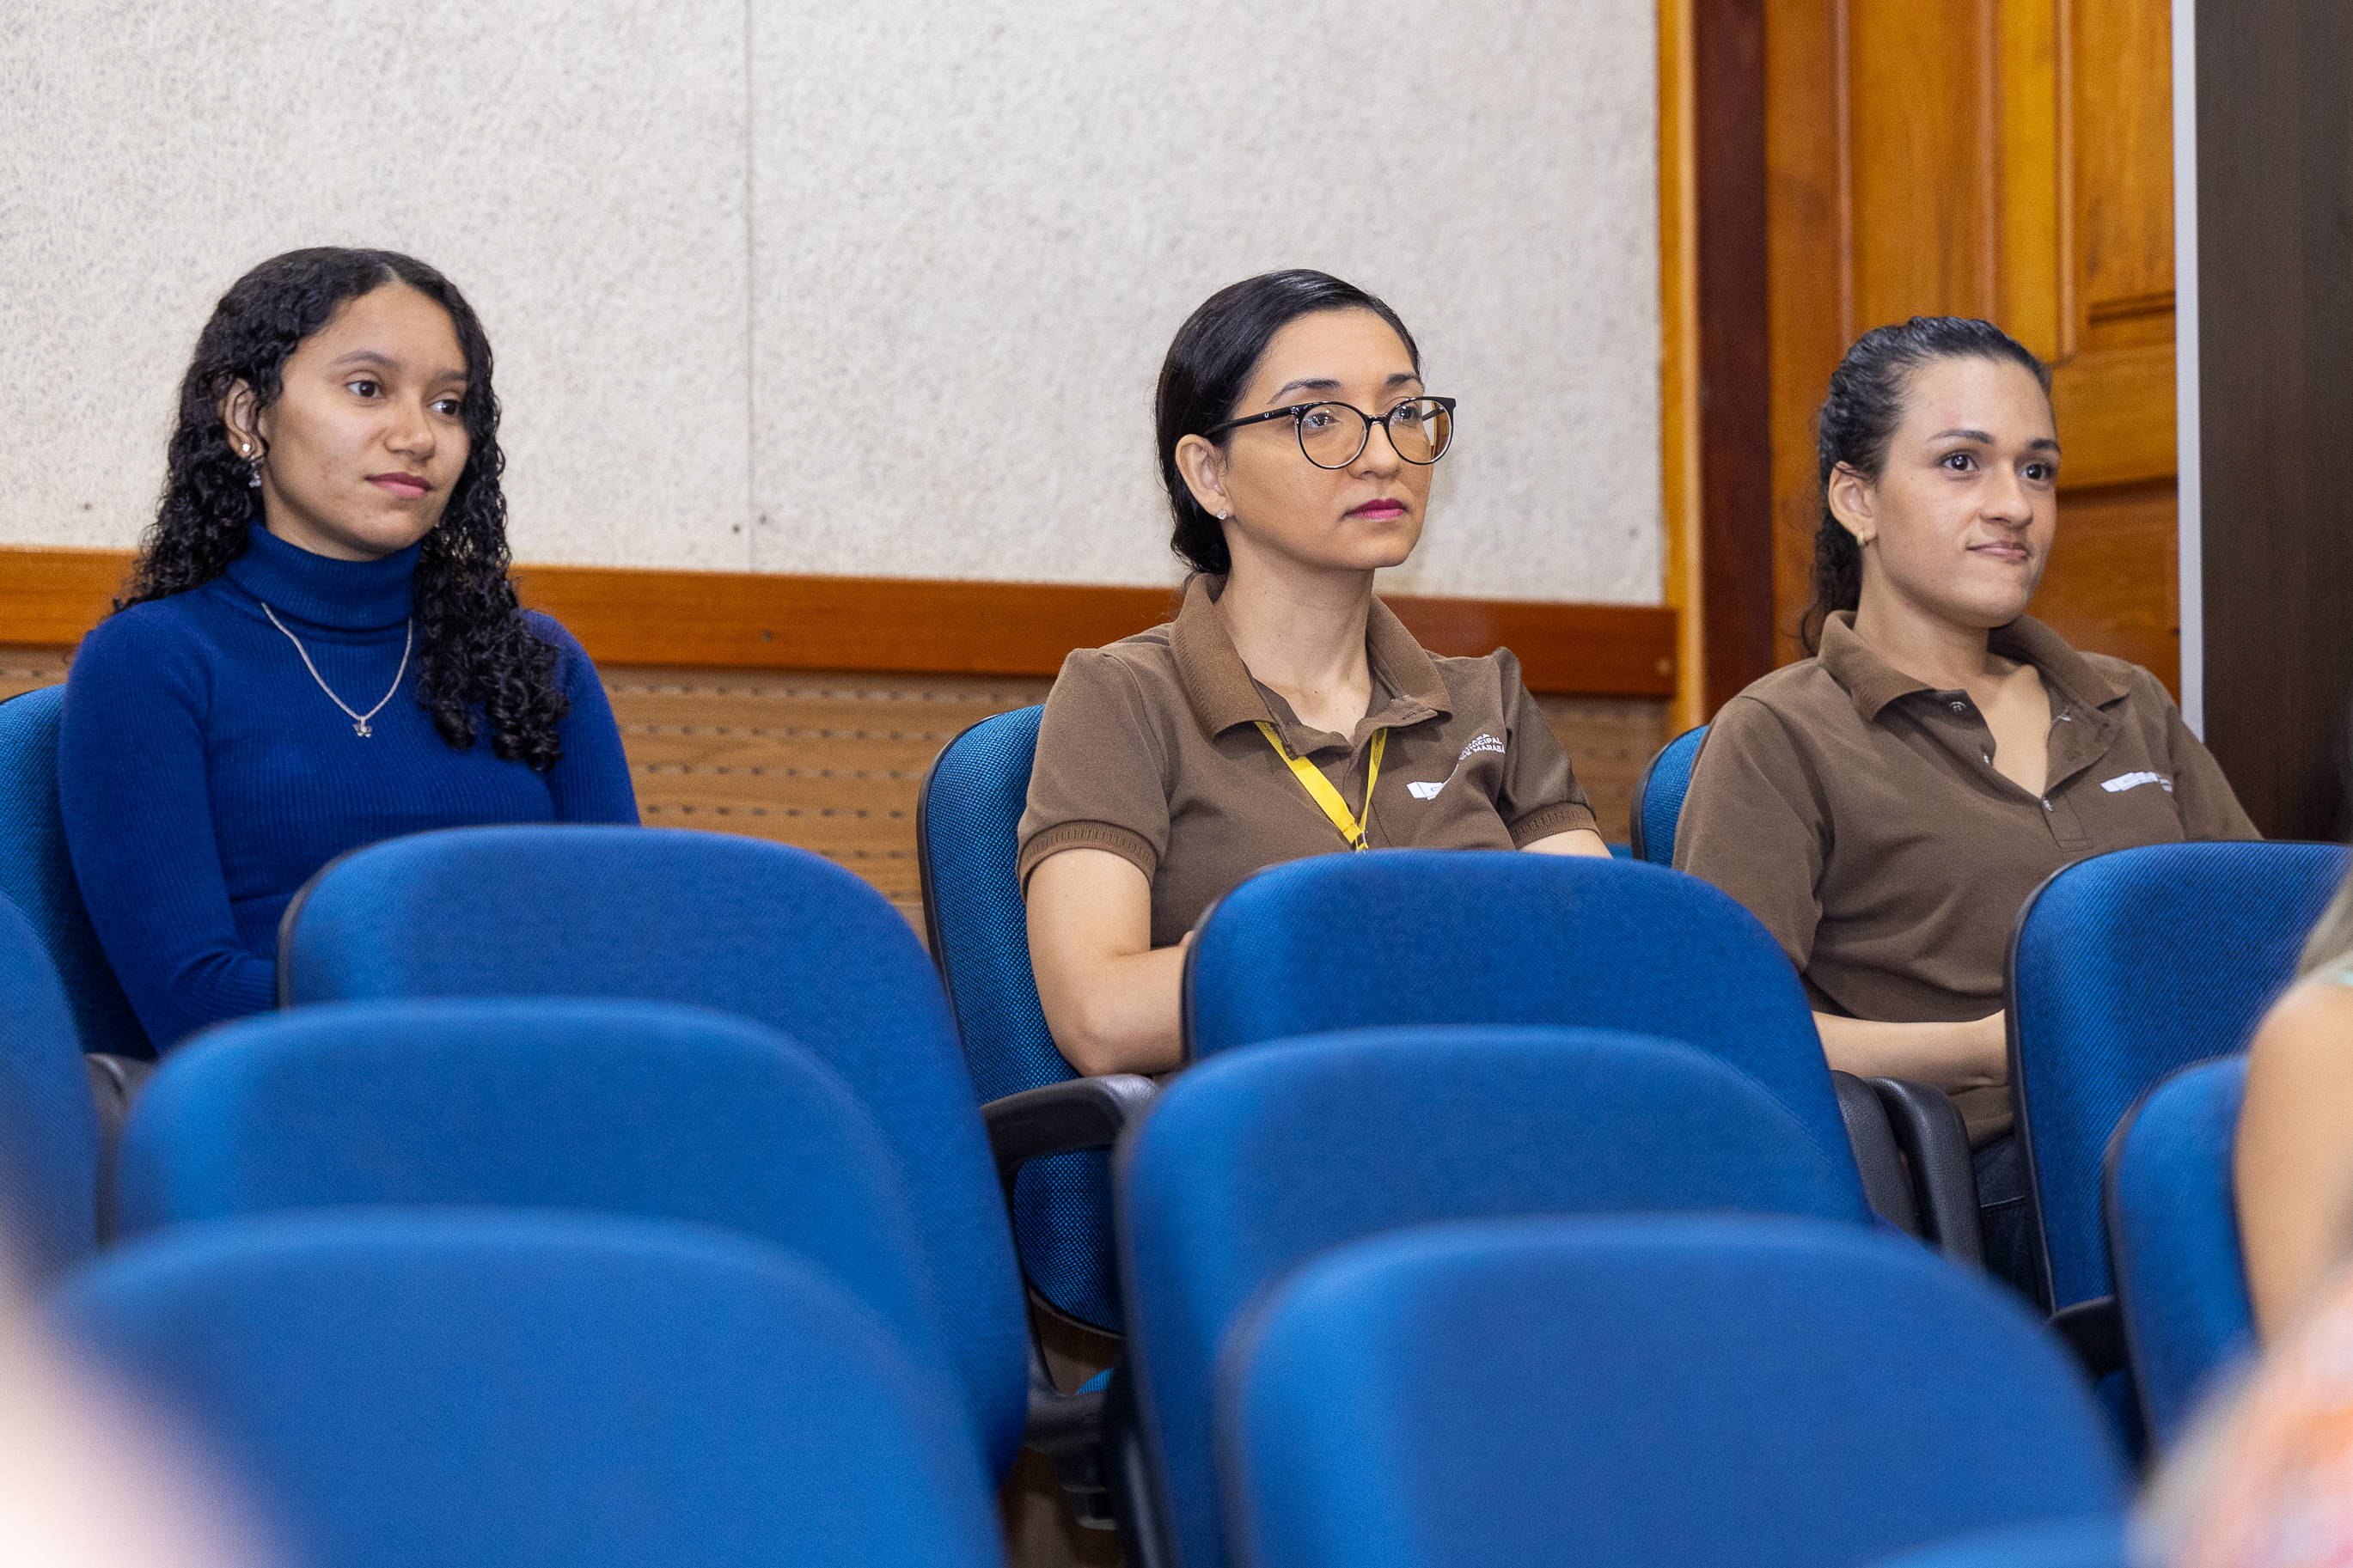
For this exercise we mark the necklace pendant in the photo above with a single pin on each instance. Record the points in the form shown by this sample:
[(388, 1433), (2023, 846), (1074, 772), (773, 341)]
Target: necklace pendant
[(359, 727)]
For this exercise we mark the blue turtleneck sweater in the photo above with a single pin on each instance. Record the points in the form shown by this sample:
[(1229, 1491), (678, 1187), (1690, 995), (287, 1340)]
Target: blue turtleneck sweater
[(204, 776)]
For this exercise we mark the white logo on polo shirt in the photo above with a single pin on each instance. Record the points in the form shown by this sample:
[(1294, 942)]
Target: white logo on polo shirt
[(1482, 742), (2123, 782)]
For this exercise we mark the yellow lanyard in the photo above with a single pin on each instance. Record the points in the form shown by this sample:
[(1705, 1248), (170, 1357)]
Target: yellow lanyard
[(1320, 790)]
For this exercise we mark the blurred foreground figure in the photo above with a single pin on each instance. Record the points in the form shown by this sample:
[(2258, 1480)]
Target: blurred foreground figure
[(88, 1480), (2269, 1482)]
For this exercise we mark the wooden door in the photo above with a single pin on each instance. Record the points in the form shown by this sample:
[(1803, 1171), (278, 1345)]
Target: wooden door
[(2007, 159)]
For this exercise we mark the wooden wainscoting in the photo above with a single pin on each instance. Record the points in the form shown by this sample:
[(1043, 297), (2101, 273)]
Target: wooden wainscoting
[(832, 761)]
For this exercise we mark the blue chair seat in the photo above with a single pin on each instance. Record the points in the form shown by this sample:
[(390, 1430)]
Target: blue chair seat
[(2173, 1233), (37, 877), (638, 1108), (1636, 1391), (539, 1390), (1257, 1159)]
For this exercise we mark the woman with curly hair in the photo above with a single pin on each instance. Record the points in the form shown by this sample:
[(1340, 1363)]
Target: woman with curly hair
[(320, 647)]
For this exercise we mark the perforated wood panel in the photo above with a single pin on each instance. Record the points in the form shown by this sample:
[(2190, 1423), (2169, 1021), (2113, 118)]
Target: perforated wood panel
[(27, 668), (833, 760)]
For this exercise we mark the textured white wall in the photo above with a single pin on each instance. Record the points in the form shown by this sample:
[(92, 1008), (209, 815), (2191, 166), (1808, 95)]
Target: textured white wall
[(874, 290)]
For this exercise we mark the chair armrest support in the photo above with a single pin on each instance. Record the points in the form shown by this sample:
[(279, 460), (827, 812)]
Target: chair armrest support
[(1936, 1143), (1884, 1186), (1059, 1118), (2095, 1330)]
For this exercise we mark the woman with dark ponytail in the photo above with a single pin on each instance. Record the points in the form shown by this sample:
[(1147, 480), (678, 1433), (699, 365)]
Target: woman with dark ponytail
[(1885, 806), (320, 647)]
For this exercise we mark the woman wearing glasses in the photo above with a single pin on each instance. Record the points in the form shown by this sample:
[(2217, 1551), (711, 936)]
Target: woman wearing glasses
[(1286, 713)]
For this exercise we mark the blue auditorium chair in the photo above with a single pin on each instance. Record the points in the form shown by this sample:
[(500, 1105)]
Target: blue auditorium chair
[(641, 1108), (762, 929), (1257, 1159), (488, 1389), (48, 1126), (2122, 968), (1416, 936), (1634, 1391), (2173, 1239), (965, 819), (38, 878), (1659, 798)]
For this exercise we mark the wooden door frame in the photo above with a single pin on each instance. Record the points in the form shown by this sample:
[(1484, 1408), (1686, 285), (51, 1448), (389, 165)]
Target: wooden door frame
[(1717, 386)]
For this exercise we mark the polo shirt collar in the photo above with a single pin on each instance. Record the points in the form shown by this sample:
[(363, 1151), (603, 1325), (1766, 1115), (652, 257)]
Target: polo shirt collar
[(1872, 683), (1218, 687)]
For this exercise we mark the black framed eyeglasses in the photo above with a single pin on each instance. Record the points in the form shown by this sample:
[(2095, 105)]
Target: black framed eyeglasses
[(1334, 434)]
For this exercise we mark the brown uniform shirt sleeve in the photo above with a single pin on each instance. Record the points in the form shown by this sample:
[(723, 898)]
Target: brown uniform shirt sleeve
[(1753, 821), (1540, 795), (1096, 783), (2210, 809)]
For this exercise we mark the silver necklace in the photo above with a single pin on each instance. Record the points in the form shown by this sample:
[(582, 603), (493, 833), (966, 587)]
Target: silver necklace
[(359, 719)]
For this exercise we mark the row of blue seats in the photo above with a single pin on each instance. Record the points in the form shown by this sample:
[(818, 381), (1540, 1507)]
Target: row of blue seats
[(1365, 1330), (1455, 939)]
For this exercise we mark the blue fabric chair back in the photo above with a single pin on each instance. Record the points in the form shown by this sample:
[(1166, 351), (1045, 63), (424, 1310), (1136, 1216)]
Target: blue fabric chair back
[(2122, 968), (640, 1107), (760, 929), (2173, 1232), (49, 1124), (1659, 798), (37, 876), (1422, 936), (2091, 1542), (514, 1390), (1616, 1392), (1255, 1162), (964, 823)]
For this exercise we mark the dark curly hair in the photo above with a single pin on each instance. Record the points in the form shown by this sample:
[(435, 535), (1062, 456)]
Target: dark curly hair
[(1209, 367), (1859, 417), (475, 651)]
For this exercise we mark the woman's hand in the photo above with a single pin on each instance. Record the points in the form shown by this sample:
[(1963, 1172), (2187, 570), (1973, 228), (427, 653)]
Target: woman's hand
[(1110, 998), (1950, 1057)]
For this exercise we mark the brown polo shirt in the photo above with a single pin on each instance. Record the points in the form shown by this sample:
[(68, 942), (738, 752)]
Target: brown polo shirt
[(1151, 750), (1857, 813)]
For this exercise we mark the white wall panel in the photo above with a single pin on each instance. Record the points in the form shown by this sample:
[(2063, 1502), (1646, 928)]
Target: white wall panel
[(876, 289), (576, 166)]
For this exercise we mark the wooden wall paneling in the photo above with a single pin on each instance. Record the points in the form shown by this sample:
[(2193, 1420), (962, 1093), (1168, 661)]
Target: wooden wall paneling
[(2121, 163), (2275, 117), (1736, 514), (28, 669), (1678, 371), (1921, 166), (2030, 152), (1806, 269), (745, 620)]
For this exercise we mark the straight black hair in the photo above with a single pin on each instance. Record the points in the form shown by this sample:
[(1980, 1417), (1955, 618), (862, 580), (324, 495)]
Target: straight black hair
[(1866, 405), (1210, 364)]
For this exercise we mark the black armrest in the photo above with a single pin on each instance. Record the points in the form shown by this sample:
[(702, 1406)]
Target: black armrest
[(1937, 1144), (1885, 1184), (2095, 1330), (1059, 1118), (114, 1083)]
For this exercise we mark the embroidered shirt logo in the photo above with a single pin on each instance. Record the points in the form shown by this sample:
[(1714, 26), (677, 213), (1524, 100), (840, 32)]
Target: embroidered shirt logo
[(2123, 782), (1482, 742)]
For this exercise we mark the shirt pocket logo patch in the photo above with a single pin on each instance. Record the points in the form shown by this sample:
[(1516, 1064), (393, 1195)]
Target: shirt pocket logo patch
[(2123, 782), (1482, 742)]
